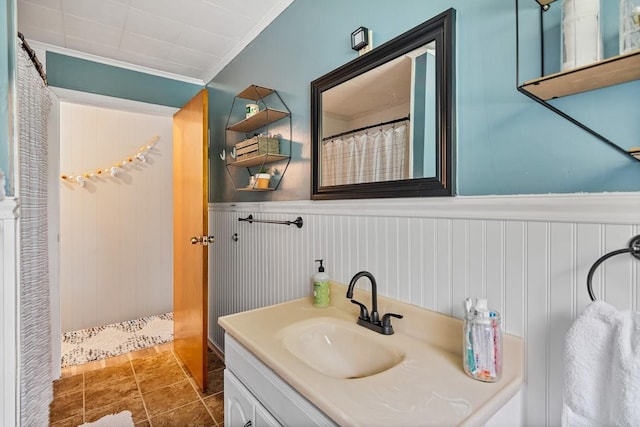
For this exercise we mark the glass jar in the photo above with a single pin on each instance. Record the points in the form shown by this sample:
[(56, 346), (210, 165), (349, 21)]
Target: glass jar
[(482, 343), (629, 25)]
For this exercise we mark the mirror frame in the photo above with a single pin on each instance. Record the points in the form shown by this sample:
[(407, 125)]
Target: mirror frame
[(439, 28)]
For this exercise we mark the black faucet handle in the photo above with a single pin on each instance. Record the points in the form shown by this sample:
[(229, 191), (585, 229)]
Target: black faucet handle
[(364, 313), (386, 319)]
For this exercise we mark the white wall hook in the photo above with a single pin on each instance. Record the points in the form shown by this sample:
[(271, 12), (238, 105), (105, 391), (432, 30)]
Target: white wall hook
[(223, 155), (233, 152)]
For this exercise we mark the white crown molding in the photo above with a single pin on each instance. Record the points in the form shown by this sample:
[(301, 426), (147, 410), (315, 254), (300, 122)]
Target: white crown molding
[(605, 208), (38, 46), (95, 100), (269, 17)]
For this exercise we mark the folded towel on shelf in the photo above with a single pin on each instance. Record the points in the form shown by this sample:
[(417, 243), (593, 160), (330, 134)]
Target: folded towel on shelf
[(602, 368)]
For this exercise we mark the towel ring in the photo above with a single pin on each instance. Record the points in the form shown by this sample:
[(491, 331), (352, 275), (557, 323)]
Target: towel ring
[(633, 249)]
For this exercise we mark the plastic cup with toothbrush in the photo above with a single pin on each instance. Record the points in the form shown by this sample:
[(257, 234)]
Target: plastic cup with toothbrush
[(482, 341)]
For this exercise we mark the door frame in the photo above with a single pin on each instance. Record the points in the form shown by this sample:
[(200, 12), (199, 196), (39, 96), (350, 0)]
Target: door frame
[(53, 208)]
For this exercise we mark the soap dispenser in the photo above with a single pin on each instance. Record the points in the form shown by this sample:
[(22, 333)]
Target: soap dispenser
[(320, 287)]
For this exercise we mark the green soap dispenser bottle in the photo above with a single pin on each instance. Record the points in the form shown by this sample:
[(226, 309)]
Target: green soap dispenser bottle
[(320, 287)]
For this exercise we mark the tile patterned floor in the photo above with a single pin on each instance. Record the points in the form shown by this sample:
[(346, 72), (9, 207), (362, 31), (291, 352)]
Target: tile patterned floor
[(152, 384)]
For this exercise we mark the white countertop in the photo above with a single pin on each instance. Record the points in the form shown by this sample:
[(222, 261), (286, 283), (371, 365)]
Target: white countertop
[(429, 387)]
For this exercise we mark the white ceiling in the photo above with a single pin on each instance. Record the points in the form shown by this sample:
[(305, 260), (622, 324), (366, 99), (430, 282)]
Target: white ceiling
[(189, 39)]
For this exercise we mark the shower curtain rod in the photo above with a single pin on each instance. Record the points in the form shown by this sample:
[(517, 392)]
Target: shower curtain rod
[(33, 58), (402, 119)]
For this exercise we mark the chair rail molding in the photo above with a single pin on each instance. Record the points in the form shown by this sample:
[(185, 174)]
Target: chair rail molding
[(604, 208)]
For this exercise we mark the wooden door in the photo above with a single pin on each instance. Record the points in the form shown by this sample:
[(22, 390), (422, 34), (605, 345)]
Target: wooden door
[(190, 195)]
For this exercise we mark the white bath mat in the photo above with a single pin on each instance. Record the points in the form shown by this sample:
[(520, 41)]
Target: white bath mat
[(101, 342), (122, 419)]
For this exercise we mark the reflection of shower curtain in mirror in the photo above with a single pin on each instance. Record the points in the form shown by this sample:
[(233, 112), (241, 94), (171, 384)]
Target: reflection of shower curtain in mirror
[(370, 156)]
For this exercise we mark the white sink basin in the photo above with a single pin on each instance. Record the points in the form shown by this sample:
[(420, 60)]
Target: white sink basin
[(339, 349)]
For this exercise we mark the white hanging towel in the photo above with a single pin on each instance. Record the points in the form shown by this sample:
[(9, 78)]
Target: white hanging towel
[(602, 368)]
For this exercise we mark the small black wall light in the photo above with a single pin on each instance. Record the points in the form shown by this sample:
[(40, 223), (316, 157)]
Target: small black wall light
[(360, 38)]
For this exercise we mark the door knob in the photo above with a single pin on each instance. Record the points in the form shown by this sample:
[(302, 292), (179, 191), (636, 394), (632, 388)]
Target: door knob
[(205, 240)]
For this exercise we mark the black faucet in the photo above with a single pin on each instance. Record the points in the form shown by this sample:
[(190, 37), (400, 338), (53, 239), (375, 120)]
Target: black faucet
[(371, 321)]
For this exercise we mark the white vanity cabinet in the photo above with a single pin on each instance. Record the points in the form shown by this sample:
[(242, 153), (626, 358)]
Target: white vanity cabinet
[(254, 393), (241, 408)]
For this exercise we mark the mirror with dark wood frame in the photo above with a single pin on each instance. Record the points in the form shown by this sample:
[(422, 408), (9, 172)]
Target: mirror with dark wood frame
[(383, 125)]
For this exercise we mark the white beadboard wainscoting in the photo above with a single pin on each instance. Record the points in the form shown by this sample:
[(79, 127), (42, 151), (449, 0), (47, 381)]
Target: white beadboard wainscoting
[(116, 234), (529, 255)]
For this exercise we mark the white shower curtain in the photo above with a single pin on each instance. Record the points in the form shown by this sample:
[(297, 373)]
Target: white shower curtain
[(35, 336), (370, 156)]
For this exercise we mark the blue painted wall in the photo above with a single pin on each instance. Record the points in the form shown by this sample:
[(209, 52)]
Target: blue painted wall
[(7, 46), (506, 143), (87, 76)]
